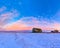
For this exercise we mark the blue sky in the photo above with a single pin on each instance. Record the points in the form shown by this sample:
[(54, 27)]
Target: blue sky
[(32, 7)]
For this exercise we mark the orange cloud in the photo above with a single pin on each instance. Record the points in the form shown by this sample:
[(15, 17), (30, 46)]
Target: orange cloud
[(56, 25), (17, 26), (27, 23)]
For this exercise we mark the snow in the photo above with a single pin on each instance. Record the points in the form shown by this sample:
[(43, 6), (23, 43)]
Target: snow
[(29, 40)]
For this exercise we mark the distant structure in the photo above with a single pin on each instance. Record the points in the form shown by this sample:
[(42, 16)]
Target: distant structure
[(55, 31), (36, 30)]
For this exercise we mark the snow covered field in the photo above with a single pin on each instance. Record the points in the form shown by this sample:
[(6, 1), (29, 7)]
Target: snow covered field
[(29, 40)]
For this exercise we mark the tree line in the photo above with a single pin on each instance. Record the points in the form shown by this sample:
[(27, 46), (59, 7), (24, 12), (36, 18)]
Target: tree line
[(38, 30)]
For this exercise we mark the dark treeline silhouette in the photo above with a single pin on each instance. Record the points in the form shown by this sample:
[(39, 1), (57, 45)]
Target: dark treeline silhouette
[(55, 31), (38, 30)]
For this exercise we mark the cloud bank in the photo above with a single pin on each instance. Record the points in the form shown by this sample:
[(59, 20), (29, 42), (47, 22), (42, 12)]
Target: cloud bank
[(7, 16), (25, 23)]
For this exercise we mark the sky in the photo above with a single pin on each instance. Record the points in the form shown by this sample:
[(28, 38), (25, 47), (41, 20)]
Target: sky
[(27, 14)]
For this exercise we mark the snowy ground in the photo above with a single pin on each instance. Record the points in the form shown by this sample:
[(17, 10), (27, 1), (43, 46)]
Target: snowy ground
[(29, 40)]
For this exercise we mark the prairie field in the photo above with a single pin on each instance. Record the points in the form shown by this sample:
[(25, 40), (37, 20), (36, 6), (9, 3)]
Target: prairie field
[(29, 40)]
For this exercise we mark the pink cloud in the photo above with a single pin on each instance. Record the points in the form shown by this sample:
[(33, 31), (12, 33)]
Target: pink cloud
[(8, 16), (56, 25), (27, 23), (16, 26)]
